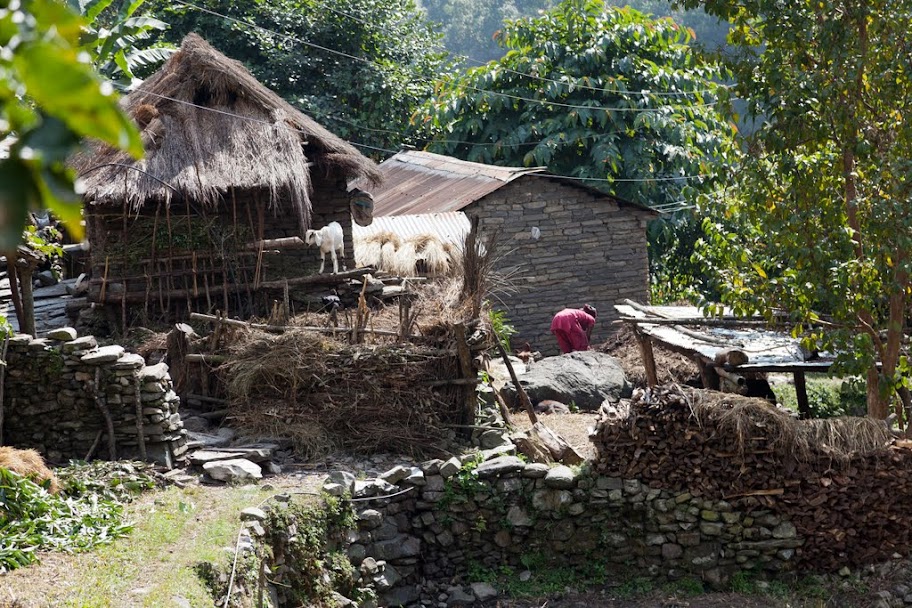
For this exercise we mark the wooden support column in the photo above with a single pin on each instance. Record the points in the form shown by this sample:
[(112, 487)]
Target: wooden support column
[(468, 372), (804, 407), (27, 322), (652, 378)]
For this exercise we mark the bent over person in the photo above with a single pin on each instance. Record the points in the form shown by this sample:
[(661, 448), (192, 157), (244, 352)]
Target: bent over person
[(573, 328)]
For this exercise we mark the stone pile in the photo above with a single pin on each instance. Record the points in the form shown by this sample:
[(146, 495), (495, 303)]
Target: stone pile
[(60, 389), (840, 482), (423, 529)]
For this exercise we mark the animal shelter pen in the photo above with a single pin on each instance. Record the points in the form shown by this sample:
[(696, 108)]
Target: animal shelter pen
[(723, 348)]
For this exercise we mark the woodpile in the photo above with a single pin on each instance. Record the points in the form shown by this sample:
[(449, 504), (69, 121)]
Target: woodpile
[(844, 483)]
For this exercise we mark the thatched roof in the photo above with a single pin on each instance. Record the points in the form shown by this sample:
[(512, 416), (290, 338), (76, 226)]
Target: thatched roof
[(209, 126)]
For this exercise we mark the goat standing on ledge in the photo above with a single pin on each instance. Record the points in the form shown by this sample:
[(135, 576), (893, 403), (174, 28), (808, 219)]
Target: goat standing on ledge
[(330, 239)]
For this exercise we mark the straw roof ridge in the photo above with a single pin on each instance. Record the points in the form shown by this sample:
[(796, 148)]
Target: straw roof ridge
[(210, 128)]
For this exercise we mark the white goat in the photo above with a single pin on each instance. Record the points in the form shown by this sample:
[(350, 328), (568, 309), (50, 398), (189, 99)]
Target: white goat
[(330, 239)]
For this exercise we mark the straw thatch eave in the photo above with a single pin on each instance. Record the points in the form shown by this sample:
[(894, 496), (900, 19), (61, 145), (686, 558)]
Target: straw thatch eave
[(210, 130)]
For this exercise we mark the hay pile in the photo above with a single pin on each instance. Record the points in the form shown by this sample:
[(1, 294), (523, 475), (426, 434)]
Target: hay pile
[(328, 396), (422, 254), (841, 481)]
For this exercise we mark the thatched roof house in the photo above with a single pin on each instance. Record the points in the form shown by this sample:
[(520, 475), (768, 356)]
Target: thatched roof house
[(228, 163)]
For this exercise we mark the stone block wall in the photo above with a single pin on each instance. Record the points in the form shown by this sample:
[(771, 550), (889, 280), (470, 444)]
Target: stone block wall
[(591, 250), (52, 392), (457, 516)]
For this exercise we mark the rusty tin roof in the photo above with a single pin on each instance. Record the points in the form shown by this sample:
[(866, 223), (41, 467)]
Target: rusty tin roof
[(421, 182)]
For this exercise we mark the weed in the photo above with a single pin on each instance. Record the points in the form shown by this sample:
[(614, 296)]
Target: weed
[(635, 587), (685, 587)]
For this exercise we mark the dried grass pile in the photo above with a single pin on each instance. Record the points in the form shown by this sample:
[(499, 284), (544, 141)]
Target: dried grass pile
[(327, 396), (422, 254)]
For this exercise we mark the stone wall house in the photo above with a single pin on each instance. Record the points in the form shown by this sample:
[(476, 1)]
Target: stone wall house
[(564, 244)]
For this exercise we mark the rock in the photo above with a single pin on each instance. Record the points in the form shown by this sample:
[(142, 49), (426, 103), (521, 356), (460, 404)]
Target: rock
[(65, 334), (450, 467), (560, 477), (518, 517), (396, 474), (253, 514), (157, 372), (535, 470), (201, 457), (785, 530), (369, 567), (493, 438), (584, 378), (233, 470), (196, 424), (525, 575), (484, 591), (104, 354), (340, 601), (507, 449), (388, 578), (416, 477), (273, 468), (363, 489), (458, 598), (370, 519), (401, 596), (499, 466), (334, 489)]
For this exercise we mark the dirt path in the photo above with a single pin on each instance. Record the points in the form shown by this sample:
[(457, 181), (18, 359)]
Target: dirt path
[(153, 566)]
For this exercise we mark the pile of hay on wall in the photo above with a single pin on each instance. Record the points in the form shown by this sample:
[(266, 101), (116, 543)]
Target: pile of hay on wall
[(422, 254), (326, 395)]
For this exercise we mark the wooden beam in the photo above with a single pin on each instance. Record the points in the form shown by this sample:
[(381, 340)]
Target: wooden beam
[(652, 378), (523, 397), (804, 406), (318, 279)]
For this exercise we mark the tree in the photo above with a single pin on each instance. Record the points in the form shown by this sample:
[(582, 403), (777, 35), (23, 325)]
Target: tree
[(469, 26), (360, 67), (819, 220), (50, 98), (603, 94)]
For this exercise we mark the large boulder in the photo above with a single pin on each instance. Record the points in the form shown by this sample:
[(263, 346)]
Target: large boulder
[(584, 378)]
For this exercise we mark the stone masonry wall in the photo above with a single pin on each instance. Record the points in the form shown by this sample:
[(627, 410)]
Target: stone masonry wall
[(50, 399), (591, 249), (461, 515)]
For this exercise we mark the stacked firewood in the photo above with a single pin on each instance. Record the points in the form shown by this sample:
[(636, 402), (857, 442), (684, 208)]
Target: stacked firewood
[(844, 483)]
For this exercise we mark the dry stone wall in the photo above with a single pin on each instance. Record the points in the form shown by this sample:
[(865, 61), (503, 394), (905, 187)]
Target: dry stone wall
[(448, 519), (57, 389), (590, 249)]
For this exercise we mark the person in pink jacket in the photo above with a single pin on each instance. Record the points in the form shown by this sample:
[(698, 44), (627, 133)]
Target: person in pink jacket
[(573, 328)]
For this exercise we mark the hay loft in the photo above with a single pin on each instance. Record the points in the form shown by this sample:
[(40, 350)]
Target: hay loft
[(228, 164)]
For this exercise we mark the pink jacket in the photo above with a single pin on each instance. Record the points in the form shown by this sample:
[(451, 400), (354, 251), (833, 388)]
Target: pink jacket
[(570, 319)]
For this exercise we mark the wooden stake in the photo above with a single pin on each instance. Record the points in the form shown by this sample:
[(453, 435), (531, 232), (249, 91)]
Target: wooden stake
[(652, 378), (523, 397), (27, 322), (106, 413), (2, 380), (804, 407)]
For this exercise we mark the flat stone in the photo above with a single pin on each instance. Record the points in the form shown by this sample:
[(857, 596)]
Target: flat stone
[(159, 371), (396, 474), (499, 466), (535, 470), (104, 354), (233, 470), (201, 457), (370, 519), (493, 438), (484, 591), (416, 477), (253, 514), (507, 449), (129, 361), (401, 596), (458, 598), (64, 334), (560, 477), (785, 530)]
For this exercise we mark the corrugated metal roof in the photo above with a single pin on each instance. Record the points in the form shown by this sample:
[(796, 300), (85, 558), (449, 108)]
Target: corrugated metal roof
[(449, 227), (417, 182)]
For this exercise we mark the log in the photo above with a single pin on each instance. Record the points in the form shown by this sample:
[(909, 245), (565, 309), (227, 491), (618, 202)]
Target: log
[(318, 279), (646, 353), (523, 397), (559, 449), (534, 450), (198, 316), (290, 242)]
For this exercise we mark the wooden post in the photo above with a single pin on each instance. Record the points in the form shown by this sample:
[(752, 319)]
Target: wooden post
[(27, 322), (14, 285), (523, 397), (646, 353), (106, 413), (804, 407), (2, 380), (468, 372)]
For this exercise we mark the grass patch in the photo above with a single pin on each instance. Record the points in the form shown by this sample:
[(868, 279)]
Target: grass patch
[(828, 397)]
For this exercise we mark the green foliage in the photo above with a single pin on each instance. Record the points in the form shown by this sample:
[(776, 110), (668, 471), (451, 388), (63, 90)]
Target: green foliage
[(50, 98), (828, 397), (86, 513), (502, 328), (547, 577), (597, 93), (387, 57), (635, 587), (816, 223), (115, 34)]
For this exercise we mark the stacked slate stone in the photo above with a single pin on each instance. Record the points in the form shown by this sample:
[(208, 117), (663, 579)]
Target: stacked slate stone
[(422, 530), (53, 404), (852, 510)]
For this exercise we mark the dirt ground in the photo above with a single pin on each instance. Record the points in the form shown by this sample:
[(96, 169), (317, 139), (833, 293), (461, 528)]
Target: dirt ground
[(603, 600), (670, 366)]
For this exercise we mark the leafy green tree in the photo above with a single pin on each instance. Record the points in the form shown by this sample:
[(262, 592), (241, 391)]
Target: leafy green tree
[(360, 67), (117, 38), (820, 219), (603, 94), (50, 98)]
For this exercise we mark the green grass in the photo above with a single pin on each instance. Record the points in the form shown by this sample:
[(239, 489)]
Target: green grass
[(827, 396)]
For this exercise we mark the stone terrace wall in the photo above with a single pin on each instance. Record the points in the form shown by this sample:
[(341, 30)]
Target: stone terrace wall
[(458, 518), (591, 249), (50, 399)]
